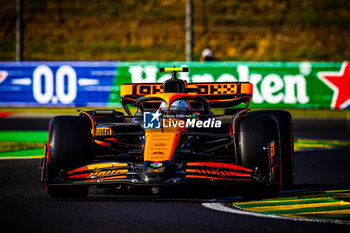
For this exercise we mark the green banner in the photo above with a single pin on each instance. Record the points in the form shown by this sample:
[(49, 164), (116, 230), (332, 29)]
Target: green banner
[(276, 84)]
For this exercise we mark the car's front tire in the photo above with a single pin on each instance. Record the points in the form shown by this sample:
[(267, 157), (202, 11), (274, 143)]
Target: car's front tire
[(70, 146), (256, 134), (285, 124)]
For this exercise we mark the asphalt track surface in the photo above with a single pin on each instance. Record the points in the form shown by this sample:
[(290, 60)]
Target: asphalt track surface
[(26, 207)]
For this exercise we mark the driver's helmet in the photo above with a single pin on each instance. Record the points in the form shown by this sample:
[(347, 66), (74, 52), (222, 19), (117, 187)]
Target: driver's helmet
[(163, 107), (177, 107)]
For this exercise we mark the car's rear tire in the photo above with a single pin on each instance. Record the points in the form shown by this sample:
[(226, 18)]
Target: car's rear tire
[(70, 146), (254, 137), (285, 124)]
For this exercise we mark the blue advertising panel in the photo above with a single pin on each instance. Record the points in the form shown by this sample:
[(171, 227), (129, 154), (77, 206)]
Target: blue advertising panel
[(56, 83)]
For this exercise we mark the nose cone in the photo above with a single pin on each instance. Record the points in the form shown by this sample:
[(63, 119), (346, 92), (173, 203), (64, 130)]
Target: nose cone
[(160, 146)]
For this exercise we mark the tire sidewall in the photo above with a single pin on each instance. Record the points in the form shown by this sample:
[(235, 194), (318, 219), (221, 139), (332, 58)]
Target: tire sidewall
[(70, 144), (255, 133), (285, 123)]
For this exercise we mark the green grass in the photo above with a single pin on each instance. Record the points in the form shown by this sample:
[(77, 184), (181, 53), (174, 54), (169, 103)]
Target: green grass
[(148, 30), (16, 146), (37, 153), (19, 141), (305, 144), (24, 136), (22, 143)]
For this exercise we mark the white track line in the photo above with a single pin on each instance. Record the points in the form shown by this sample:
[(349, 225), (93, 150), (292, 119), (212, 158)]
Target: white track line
[(235, 210)]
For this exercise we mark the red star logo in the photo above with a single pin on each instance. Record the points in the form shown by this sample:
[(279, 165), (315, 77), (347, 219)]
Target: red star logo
[(339, 82)]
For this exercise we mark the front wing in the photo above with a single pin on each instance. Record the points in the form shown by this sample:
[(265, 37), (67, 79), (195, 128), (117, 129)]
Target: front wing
[(134, 174)]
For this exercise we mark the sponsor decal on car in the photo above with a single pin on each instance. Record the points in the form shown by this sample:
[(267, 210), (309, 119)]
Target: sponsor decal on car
[(216, 172), (103, 131), (156, 164), (103, 173), (157, 153)]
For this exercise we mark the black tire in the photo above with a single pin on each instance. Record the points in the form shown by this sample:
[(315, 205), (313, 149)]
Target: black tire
[(255, 133), (285, 124), (70, 146)]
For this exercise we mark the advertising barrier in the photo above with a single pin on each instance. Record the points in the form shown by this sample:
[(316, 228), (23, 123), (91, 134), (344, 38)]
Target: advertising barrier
[(56, 83), (97, 84)]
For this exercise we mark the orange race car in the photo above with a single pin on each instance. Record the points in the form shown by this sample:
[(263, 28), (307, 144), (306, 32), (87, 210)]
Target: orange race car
[(171, 136)]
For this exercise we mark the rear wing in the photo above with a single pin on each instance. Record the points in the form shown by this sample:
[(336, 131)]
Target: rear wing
[(223, 94)]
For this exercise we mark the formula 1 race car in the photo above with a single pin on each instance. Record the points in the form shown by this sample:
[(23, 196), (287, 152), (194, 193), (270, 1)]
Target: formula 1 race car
[(170, 136)]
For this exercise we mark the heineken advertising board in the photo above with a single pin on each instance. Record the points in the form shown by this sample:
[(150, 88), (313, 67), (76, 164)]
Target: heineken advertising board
[(97, 83), (276, 84)]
